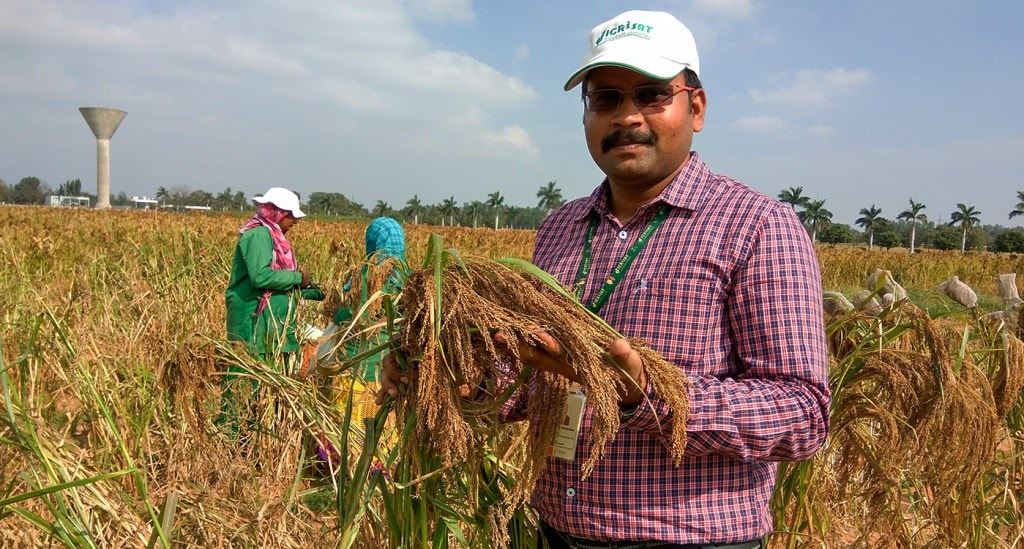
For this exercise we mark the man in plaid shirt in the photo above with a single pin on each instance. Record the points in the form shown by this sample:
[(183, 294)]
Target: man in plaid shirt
[(719, 279), (727, 286)]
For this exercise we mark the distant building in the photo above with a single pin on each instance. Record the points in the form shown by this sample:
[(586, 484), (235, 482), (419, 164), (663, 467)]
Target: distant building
[(144, 203), (202, 208), (69, 201)]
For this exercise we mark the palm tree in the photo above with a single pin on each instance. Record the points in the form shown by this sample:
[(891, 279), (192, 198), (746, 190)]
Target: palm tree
[(449, 207), (414, 207), (223, 200), (550, 197), (473, 208), (162, 195), (320, 203), (868, 220), (1019, 210), (913, 214), (817, 216), (794, 196), (240, 200), (381, 209), (495, 200), (966, 217)]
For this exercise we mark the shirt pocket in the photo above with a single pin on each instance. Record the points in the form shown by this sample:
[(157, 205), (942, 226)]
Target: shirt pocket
[(682, 319)]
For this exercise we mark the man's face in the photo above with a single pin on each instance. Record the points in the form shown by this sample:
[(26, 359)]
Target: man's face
[(640, 148)]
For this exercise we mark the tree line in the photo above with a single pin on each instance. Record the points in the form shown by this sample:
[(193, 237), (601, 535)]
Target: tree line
[(493, 212), (31, 190), (911, 229)]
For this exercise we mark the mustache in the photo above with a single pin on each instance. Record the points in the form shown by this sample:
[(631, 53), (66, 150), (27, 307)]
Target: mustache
[(628, 136)]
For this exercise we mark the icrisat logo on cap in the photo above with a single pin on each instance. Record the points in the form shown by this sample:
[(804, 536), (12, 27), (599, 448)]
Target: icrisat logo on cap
[(614, 32)]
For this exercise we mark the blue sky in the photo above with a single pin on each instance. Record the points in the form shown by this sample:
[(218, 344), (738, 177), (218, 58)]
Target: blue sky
[(860, 102)]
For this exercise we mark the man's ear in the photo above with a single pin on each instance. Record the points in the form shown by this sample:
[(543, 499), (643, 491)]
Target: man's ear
[(698, 106)]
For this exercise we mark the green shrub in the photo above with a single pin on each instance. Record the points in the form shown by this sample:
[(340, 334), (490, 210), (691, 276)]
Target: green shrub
[(1009, 241)]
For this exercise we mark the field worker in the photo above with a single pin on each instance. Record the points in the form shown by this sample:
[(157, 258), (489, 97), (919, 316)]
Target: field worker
[(718, 278), (385, 239), (262, 293)]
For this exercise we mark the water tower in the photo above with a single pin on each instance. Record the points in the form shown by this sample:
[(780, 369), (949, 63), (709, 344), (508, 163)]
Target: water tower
[(103, 122)]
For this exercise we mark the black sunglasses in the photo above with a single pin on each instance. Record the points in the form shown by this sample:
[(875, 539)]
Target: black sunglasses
[(653, 95)]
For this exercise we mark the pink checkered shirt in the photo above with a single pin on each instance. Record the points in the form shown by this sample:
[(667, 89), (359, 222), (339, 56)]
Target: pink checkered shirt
[(729, 289)]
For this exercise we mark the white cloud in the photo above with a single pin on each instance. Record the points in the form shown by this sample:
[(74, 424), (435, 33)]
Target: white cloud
[(349, 93), (378, 48), (819, 130), (368, 59), (441, 10), (30, 22), (37, 82), (512, 137), (332, 95), (522, 52), (91, 38), (815, 88), (735, 9), (257, 57), (453, 72), (761, 124), (779, 127)]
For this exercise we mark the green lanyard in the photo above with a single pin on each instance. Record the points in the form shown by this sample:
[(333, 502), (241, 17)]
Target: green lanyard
[(620, 270)]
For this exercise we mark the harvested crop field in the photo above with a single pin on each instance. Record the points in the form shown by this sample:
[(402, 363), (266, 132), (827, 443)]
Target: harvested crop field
[(113, 348)]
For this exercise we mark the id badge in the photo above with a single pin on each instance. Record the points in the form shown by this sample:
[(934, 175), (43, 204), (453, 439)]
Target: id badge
[(568, 434)]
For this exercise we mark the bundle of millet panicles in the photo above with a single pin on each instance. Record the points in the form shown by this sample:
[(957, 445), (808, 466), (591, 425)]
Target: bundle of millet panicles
[(463, 321)]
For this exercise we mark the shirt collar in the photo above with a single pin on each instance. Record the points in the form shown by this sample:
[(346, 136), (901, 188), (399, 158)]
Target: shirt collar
[(688, 190)]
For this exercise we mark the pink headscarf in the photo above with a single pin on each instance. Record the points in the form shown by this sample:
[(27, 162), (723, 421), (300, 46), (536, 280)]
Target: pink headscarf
[(269, 215)]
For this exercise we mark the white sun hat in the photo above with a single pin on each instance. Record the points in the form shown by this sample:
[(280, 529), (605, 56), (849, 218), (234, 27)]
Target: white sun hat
[(283, 199), (654, 43)]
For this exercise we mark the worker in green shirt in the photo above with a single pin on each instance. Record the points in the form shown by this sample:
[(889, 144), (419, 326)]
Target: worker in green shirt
[(263, 291)]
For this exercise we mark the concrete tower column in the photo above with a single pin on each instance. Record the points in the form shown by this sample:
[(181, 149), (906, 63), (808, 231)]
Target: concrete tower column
[(103, 122)]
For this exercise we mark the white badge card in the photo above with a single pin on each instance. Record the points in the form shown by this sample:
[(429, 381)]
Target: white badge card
[(568, 434)]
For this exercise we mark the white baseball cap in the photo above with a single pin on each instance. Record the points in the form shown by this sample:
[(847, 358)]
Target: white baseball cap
[(654, 43), (283, 199)]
